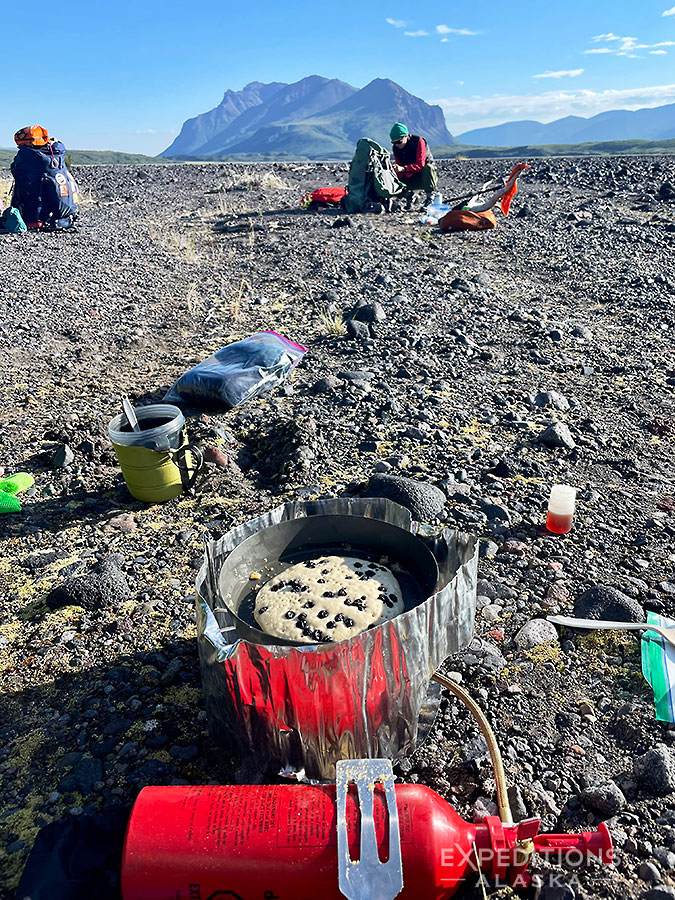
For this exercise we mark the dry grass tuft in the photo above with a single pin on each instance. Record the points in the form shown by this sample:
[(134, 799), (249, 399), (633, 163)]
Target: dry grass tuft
[(246, 179), (332, 323), (5, 192)]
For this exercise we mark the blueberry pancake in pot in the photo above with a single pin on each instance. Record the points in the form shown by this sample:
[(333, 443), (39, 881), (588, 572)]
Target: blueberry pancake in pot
[(327, 599)]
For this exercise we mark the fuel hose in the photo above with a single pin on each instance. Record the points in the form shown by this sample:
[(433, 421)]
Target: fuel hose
[(490, 740)]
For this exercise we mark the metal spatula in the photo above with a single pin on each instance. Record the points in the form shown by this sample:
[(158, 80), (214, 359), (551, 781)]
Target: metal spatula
[(367, 878), (666, 632)]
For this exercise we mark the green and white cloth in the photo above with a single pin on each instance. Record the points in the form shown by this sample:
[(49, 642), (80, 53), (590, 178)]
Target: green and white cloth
[(658, 667)]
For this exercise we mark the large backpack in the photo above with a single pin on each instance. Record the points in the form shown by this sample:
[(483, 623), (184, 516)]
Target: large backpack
[(371, 177), (45, 192)]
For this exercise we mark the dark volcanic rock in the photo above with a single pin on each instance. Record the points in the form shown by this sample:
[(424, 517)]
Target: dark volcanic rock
[(602, 602), (656, 770), (425, 501), (102, 587), (607, 798), (557, 435), (358, 329), (369, 312)]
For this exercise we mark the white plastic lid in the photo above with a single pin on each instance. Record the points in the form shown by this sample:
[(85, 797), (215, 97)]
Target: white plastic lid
[(562, 499)]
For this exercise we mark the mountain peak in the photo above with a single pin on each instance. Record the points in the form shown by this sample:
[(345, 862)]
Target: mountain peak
[(313, 113)]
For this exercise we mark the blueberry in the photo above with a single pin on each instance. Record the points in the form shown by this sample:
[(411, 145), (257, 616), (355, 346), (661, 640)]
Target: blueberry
[(342, 592), (289, 615), (339, 617), (322, 614), (310, 564), (349, 623), (307, 605), (330, 625), (263, 609), (328, 594), (320, 580), (325, 571), (358, 565), (393, 598)]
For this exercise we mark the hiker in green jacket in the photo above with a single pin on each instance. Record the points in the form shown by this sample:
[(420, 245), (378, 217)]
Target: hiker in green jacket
[(413, 163)]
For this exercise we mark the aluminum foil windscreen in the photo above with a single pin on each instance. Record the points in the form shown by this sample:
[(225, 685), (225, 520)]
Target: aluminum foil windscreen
[(304, 708)]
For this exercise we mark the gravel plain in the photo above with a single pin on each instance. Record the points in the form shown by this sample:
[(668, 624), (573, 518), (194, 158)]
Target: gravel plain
[(489, 365)]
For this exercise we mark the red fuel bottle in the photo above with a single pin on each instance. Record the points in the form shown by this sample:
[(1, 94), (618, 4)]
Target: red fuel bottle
[(280, 843)]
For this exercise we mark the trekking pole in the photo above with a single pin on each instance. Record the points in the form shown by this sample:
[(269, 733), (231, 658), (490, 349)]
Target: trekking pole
[(469, 195)]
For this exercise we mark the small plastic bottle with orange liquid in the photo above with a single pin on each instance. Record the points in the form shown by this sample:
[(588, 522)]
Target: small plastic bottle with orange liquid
[(561, 508)]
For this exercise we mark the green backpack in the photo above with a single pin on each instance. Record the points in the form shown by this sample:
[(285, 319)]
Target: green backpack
[(371, 177), (11, 221)]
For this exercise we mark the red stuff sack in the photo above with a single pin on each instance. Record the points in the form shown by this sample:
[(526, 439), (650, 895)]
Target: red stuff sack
[(465, 220), (330, 196)]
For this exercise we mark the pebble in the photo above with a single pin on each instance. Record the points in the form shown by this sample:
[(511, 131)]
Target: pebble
[(606, 798), (662, 892), (649, 872), (63, 456), (557, 435), (534, 633)]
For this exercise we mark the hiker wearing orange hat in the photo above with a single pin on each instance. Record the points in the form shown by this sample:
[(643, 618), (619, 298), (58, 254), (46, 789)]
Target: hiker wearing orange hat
[(32, 136), (45, 193)]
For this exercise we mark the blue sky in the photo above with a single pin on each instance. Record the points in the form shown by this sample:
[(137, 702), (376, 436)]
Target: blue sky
[(125, 77)]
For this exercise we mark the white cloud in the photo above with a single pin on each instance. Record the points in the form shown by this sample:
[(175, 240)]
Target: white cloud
[(669, 12), (420, 33), (397, 23), (625, 45), (658, 52), (464, 114), (569, 73), (444, 29)]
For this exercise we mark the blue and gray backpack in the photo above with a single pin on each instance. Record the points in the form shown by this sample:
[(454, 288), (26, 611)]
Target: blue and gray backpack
[(45, 193)]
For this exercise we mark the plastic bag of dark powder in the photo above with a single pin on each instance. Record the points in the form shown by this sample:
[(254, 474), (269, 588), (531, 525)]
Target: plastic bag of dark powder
[(238, 372)]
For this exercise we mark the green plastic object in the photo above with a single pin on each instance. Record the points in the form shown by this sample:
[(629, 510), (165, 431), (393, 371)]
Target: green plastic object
[(10, 487), (658, 667), (14, 484), (9, 504)]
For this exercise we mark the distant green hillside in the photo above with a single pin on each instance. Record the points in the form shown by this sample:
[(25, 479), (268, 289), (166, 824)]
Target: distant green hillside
[(302, 144), (96, 158), (596, 148), (298, 150)]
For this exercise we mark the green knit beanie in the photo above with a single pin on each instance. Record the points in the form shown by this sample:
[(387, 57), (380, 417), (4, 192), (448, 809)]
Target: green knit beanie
[(397, 132)]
